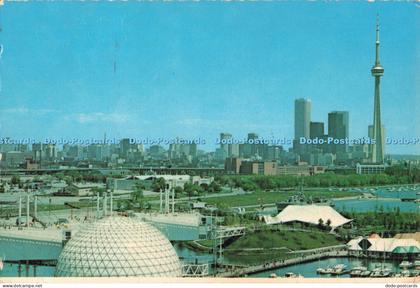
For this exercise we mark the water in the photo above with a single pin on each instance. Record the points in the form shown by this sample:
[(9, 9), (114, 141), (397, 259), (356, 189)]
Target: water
[(396, 194), (308, 270), (369, 205), (189, 255), (11, 270)]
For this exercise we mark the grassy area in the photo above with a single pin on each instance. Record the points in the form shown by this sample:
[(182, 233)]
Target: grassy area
[(262, 197), (289, 240), (293, 240)]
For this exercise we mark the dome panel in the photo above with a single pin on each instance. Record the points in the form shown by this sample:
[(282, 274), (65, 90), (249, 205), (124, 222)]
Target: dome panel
[(118, 247)]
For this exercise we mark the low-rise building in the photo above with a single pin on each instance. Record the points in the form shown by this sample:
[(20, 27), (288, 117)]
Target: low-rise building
[(391, 248), (128, 183), (83, 189), (259, 167), (309, 214), (370, 169)]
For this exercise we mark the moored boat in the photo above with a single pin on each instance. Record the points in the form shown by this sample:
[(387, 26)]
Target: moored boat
[(325, 271), (380, 273), (338, 269), (365, 273), (292, 275), (357, 271), (406, 264), (405, 273)]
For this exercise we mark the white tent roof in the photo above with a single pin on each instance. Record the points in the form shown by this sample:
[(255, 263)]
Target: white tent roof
[(308, 214), (383, 244)]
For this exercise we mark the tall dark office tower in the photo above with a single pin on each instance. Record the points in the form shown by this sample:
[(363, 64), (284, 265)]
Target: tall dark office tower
[(302, 126), (124, 147), (377, 71), (252, 136), (316, 130), (338, 128), (253, 147)]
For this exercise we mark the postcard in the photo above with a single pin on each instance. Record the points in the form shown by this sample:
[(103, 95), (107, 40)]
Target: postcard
[(209, 142)]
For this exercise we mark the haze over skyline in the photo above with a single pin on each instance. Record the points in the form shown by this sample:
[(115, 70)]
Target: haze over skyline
[(197, 69)]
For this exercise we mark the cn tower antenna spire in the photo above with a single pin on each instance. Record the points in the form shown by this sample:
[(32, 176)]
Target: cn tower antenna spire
[(377, 40)]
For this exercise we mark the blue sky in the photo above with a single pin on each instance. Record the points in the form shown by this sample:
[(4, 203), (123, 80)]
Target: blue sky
[(198, 69)]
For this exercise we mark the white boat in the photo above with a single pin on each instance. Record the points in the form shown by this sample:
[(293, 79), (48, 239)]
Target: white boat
[(380, 273), (417, 264), (406, 264), (327, 270), (292, 275), (273, 275), (365, 273), (338, 269), (2, 263), (357, 271), (320, 270), (405, 273)]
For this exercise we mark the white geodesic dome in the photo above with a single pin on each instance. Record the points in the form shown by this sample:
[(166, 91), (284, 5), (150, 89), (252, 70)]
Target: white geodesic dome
[(118, 247)]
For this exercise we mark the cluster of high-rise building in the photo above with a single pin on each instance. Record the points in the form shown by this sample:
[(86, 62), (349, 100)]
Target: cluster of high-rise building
[(313, 144), (334, 145), (252, 147)]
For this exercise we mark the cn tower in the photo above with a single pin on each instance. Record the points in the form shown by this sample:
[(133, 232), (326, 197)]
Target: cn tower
[(377, 71)]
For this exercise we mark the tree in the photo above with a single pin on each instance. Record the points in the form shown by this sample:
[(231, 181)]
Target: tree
[(15, 179), (188, 188), (178, 191), (138, 194), (214, 187), (320, 223), (118, 205), (96, 190), (158, 184), (328, 223)]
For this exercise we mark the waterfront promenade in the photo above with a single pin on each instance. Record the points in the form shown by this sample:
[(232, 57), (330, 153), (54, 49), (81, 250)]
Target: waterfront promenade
[(301, 257)]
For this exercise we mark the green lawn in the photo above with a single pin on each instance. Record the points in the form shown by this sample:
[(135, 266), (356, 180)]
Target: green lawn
[(290, 240), (258, 198)]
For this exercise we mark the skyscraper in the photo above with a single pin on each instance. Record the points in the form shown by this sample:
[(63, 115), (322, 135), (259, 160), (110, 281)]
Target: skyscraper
[(253, 147), (338, 128), (377, 71), (316, 129), (225, 138), (302, 126), (302, 118)]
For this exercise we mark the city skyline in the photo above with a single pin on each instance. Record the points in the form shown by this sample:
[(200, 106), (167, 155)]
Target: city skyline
[(203, 85)]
